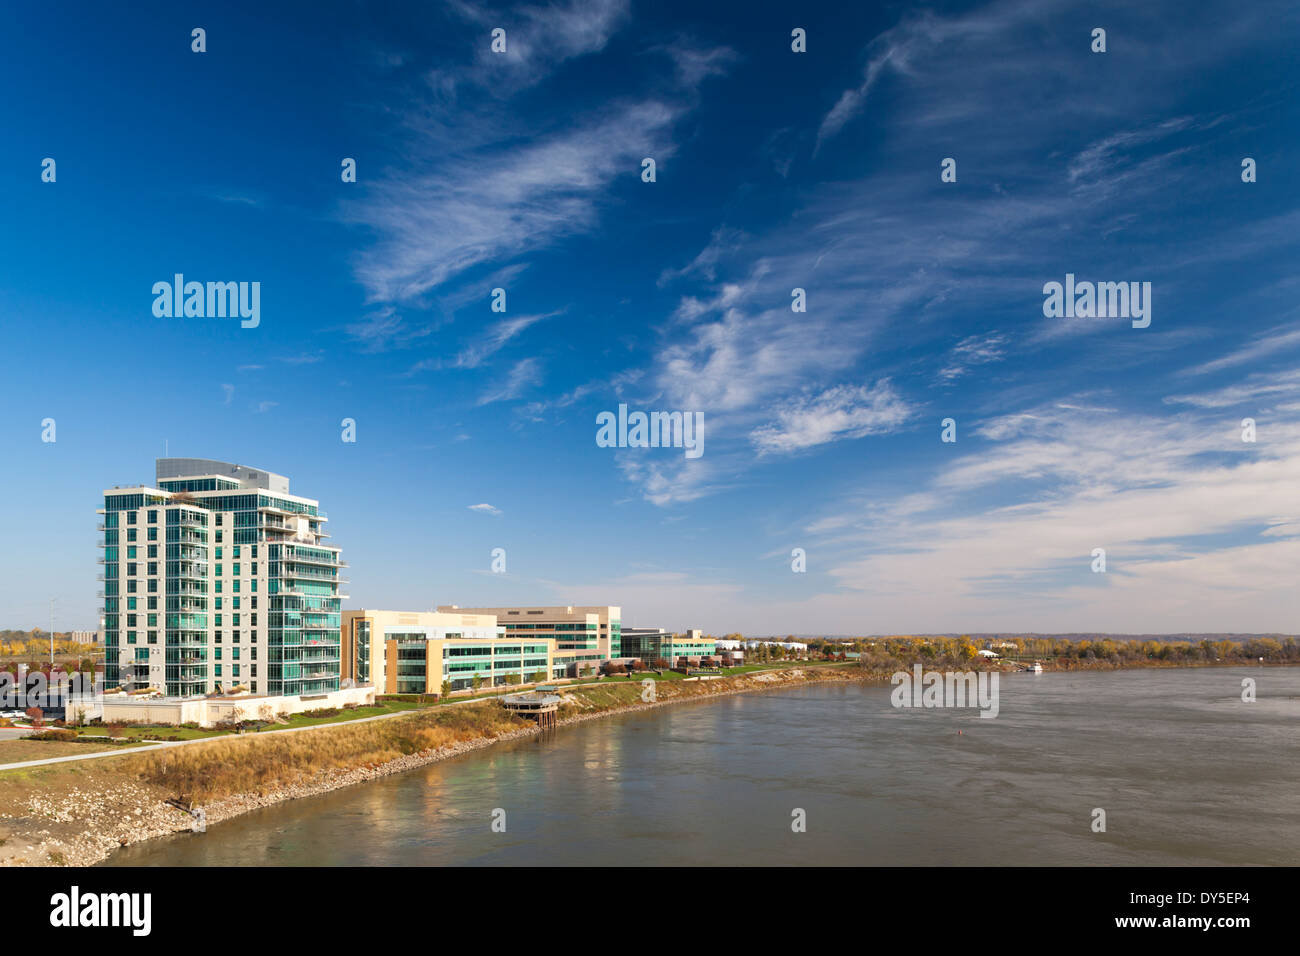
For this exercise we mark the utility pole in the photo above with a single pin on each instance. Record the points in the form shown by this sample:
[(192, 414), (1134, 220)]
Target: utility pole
[(51, 636)]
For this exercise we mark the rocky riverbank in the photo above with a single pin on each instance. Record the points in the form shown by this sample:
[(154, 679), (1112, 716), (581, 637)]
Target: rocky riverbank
[(81, 823)]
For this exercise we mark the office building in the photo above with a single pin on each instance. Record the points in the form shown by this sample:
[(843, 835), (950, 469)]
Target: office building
[(583, 637), (652, 644), (417, 652)]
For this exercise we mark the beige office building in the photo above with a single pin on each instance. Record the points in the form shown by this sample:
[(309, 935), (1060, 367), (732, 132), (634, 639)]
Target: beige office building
[(583, 637), (416, 652)]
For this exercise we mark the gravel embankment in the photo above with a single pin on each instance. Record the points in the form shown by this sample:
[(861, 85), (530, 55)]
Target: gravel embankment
[(81, 827)]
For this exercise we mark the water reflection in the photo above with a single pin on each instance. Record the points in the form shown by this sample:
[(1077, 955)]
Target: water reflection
[(1187, 773)]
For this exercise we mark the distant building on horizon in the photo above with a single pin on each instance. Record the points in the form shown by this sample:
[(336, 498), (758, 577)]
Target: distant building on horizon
[(798, 646)]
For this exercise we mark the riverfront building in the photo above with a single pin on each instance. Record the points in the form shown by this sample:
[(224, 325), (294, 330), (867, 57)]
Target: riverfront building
[(415, 652), (217, 580), (643, 643), (652, 644), (583, 637)]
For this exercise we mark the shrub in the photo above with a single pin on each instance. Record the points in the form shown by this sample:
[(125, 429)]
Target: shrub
[(55, 734)]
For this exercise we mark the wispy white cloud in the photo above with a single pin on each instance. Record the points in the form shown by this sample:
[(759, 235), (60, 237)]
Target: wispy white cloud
[(1279, 340), (614, 385), (494, 204), (971, 351), (696, 62), (384, 328), (837, 413), (525, 374), (495, 185), (1148, 490), (539, 39), (485, 508), (496, 338), (480, 350), (916, 38), (1258, 387), (304, 358)]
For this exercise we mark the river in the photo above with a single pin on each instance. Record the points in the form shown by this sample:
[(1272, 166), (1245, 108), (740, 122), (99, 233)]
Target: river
[(1186, 772)]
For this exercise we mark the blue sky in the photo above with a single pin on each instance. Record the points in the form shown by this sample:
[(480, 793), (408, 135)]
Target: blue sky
[(775, 170)]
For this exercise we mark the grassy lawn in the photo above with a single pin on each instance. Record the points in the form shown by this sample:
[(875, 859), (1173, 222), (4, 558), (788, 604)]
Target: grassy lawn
[(139, 733), (378, 710), (165, 732), (639, 676)]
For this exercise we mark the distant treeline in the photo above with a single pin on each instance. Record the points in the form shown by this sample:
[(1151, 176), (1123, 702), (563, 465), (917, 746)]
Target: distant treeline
[(1083, 649), (36, 644), (68, 665), (35, 634), (1023, 635)]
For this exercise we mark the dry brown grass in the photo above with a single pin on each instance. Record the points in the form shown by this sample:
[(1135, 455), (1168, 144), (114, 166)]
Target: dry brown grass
[(253, 764), (16, 751), (613, 695)]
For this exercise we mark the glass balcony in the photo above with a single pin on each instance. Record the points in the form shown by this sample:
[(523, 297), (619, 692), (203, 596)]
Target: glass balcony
[(300, 556)]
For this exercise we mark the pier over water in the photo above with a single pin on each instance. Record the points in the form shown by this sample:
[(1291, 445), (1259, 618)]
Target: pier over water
[(541, 707)]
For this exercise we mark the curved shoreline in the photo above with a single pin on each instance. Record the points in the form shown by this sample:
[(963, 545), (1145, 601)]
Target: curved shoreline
[(226, 808), (109, 825), (154, 818)]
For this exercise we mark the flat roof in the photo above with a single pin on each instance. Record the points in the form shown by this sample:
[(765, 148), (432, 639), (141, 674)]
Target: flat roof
[(176, 468)]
